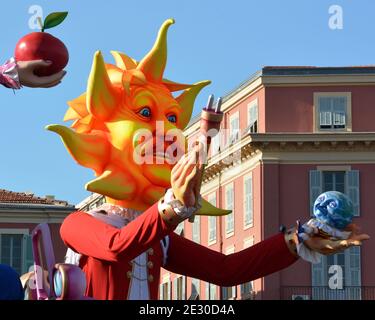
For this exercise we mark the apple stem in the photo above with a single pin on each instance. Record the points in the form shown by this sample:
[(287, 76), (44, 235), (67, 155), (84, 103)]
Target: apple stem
[(40, 23)]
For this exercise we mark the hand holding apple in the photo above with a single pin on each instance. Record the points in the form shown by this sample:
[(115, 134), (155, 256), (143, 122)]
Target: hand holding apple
[(28, 78), (40, 56)]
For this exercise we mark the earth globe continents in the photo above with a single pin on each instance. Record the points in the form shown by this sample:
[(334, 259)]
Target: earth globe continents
[(334, 209)]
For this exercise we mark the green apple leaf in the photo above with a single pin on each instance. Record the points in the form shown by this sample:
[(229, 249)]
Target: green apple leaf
[(54, 19)]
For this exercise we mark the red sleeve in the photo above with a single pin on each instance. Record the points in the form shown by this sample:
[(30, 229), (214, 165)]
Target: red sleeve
[(92, 237), (191, 259)]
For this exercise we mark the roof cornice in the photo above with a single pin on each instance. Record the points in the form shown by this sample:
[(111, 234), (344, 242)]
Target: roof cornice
[(255, 144), (292, 76)]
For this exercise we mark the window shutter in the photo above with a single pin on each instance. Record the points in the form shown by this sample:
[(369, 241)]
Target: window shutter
[(169, 284), (175, 297), (252, 112), (325, 118), (180, 229), (248, 200), (315, 187), (353, 190), (319, 281), (230, 206), (160, 291), (211, 228), (325, 111), (234, 129), (234, 291), (224, 293), (183, 288), (318, 271), (354, 266), (339, 119), (213, 291), (197, 230), (215, 144), (212, 220), (353, 273), (28, 260)]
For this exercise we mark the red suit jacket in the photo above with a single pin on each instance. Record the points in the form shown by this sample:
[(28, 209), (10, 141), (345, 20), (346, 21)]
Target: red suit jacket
[(107, 253)]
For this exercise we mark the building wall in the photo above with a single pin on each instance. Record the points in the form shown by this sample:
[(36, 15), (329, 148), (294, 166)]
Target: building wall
[(294, 204), (290, 109), (58, 245), (242, 106), (281, 192), (241, 233)]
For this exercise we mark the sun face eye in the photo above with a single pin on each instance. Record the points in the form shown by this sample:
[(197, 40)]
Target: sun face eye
[(145, 112), (172, 118)]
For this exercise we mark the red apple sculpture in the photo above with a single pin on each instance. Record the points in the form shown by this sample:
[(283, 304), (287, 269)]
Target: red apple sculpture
[(42, 45)]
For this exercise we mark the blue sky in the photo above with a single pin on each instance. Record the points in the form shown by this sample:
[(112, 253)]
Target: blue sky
[(224, 41)]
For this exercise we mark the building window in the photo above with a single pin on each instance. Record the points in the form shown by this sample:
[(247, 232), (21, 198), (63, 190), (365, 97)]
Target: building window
[(343, 181), (229, 204), (349, 276), (16, 250), (333, 111), (349, 260), (246, 290), (248, 200), (101, 201), (179, 292), (212, 221), (165, 288), (234, 128), (216, 143), (334, 181), (229, 293), (247, 287), (11, 250), (195, 289), (210, 291), (197, 229), (93, 205), (180, 229), (252, 117)]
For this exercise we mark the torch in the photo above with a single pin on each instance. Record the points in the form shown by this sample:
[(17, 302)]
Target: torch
[(211, 118)]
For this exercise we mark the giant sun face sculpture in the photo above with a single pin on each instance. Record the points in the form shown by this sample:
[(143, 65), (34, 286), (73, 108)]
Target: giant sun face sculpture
[(121, 101)]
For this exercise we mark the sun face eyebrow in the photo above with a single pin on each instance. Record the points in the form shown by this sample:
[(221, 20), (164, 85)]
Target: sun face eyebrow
[(143, 98)]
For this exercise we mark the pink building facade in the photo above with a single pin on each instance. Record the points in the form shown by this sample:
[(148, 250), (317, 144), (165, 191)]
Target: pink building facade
[(20, 213), (291, 133)]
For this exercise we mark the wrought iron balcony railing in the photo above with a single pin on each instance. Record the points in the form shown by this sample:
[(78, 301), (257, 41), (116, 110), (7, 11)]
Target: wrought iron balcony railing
[(325, 293)]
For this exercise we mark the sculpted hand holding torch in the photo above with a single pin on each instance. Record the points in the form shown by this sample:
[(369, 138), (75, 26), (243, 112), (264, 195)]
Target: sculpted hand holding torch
[(211, 118)]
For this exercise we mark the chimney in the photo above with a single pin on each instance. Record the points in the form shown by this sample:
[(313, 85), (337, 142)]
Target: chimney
[(50, 197)]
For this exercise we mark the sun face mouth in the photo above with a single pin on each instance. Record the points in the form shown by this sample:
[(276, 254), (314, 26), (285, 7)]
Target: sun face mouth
[(165, 156), (151, 153)]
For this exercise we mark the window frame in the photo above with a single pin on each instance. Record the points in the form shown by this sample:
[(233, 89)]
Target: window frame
[(24, 233), (251, 223), (348, 170), (197, 283), (348, 289), (212, 219), (179, 285), (316, 107), (253, 104), (166, 283), (247, 243), (229, 233), (196, 227), (234, 116), (233, 289)]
